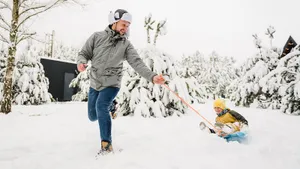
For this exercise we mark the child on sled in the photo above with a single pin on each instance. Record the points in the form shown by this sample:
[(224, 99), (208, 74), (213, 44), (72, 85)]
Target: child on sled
[(229, 124)]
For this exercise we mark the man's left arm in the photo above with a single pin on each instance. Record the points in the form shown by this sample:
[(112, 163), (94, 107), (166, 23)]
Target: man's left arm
[(137, 63)]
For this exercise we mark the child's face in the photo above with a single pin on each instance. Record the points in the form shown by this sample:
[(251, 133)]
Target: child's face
[(218, 110)]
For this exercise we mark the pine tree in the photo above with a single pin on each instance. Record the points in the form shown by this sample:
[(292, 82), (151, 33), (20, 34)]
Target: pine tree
[(196, 90), (270, 33), (160, 30), (149, 26), (3, 57), (82, 83), (63, 52), (195, 65), (193, 68), (290, 90), (283, 84), (255, 68), (214, 74), (30, 86)]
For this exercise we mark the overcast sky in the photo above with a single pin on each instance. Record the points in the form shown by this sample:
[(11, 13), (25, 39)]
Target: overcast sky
[(225, 26)]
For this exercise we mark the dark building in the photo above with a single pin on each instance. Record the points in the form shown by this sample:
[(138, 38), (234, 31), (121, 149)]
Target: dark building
[(289, 45), (60, 74)]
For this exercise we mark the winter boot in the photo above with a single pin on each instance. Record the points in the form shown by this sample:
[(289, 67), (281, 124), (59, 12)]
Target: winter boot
[(106, 148)]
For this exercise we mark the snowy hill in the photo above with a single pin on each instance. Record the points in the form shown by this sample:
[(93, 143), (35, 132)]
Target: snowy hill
[(60, 136)]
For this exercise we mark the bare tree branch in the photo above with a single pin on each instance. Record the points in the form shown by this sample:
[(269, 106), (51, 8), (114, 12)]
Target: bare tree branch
[(4, 27), (78, 3), (26, 36), (23, 31), (4, 21), (3, 39), (32, 8), (44, 10), (22, 2), (3, 69), (5, 5)]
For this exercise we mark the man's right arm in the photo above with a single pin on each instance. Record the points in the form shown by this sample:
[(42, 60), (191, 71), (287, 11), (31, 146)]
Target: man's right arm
[(86, 52)]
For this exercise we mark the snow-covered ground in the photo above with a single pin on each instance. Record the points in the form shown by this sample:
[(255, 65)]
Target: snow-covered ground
[(60, 136)]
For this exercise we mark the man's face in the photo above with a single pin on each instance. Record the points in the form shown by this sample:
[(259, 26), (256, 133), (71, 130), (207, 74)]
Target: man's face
[(122, 26)]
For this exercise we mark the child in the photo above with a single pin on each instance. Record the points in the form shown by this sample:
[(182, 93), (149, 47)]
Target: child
[(227, 121)]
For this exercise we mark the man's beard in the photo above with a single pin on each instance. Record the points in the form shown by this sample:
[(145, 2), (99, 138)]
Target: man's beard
[(119, 32)]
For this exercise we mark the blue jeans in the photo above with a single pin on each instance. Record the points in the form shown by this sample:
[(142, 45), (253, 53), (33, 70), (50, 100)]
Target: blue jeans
[(98, 109)]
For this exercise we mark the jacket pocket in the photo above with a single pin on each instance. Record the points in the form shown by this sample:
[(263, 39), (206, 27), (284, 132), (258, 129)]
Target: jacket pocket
[(113, 76), (113, 71)]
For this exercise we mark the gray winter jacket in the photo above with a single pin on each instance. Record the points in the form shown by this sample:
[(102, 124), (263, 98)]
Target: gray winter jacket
[(107, 50)]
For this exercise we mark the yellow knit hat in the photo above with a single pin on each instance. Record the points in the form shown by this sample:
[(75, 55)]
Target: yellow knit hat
[(219, 103)]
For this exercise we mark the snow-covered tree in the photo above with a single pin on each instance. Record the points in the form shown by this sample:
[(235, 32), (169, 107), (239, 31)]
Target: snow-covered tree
[(149, 26), (196, 64), (270, 80), (284, 84), (194, 67), (214, 73), (220, 73), (30, 86), (255, 68), (64, 52), (190, 68), (139, 97), (160, 29), (3, 57), (270, 33), (82, 83), (196, 90)]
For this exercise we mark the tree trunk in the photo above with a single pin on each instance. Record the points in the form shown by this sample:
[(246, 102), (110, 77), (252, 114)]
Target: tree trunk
[(7, 92), (156, 34), (52, 41), (148, 35), (155, 38)]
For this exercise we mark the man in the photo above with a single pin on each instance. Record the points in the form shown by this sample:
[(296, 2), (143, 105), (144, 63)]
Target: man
[(107, 50)]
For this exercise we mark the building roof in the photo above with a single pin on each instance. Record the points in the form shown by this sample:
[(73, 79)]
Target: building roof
[(59, 60), (289, 45)]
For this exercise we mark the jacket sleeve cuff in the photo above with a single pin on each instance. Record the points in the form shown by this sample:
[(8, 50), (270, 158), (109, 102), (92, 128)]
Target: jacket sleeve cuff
[(151, 77)]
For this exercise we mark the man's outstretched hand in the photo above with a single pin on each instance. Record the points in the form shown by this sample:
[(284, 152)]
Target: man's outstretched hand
[(159, 79), (81, 67)]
